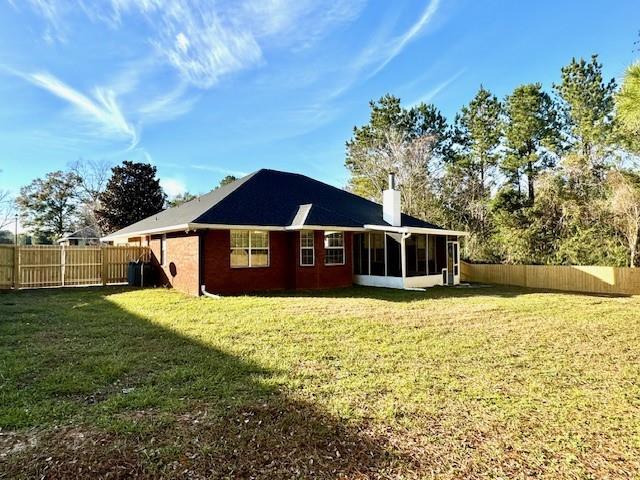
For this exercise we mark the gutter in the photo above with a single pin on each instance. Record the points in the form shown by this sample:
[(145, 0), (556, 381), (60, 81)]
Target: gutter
[(431, 231)]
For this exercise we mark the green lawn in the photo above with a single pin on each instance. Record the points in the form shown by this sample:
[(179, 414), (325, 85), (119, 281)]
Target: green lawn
[(485, 382)]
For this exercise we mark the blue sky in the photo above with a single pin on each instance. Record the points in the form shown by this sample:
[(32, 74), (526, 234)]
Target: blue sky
[(202, 89)]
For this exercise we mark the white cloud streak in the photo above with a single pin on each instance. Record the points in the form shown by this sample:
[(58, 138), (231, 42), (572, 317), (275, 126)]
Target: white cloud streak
[(432, 93), (394, 48), (205, 41), (216, 169), (102, 110), (380, 52)]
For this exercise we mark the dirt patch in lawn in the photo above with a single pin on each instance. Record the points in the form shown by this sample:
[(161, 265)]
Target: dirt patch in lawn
[(266, 440)]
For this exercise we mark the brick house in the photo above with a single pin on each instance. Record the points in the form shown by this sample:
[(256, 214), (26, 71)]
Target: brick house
[(275, 230)]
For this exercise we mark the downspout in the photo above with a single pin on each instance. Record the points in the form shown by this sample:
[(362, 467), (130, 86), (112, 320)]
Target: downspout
[(203, 290), (203, 287)]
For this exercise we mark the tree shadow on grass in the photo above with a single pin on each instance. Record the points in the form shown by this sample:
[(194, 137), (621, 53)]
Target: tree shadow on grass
[(92, 390)]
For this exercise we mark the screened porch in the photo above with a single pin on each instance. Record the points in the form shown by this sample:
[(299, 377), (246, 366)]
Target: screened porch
[(406, 258)]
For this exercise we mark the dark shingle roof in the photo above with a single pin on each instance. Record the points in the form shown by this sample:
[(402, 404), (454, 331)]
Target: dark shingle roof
[(273, 198)]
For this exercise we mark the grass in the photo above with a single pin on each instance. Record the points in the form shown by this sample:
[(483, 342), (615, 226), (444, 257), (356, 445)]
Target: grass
[(357, 383)]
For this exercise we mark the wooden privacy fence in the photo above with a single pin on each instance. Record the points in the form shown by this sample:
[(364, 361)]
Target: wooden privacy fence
[(36, 266), (587, 279)]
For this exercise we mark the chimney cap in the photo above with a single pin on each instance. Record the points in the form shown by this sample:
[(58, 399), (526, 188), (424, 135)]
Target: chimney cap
[(392, 180)]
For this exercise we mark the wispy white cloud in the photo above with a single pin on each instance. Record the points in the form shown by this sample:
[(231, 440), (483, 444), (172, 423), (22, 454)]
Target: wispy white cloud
[(433, 92), (101, 111), (214, 168), (382, 50), (172, 186), (51, 12), (398, 44), (297, 23), (205, 41), (167, 105)]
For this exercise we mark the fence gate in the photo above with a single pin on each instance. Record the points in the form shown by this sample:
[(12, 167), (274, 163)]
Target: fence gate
[(35, 266)]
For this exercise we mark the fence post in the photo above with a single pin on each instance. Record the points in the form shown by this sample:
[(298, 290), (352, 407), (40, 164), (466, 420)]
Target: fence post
[(105, 264), (16, 267), (63, 260)]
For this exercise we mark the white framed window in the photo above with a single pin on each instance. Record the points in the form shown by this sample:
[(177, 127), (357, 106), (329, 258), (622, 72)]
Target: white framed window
[(334, 248), (249, 248), (163, 250), (307, 253)]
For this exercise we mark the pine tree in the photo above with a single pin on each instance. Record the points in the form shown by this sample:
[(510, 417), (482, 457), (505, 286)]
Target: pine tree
[(477, 136), (388, 119), (532, 135), (587, 105), (628, 109)]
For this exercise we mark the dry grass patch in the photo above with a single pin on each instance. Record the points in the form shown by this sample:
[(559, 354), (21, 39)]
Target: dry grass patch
[(355, 383)]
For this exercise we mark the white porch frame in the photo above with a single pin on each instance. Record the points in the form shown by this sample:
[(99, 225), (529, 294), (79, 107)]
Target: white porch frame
[(404, 281)]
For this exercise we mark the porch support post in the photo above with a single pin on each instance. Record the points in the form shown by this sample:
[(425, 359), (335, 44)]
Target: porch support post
[(403, 255), (385, 254), (369, 253)]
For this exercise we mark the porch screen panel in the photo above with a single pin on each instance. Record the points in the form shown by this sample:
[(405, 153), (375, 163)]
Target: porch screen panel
[(377, 253), (431, 255), (411, 256), (360, 254), (421, 254), (394, 263), (416, 252), (441, 252)]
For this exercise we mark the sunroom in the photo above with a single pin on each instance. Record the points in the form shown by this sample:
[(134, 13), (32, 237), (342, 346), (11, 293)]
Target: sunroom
[(406, 257)]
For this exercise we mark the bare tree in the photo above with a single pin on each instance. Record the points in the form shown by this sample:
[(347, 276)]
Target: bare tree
[(409, 158), (625, 209), (7, 208), (94, 175)]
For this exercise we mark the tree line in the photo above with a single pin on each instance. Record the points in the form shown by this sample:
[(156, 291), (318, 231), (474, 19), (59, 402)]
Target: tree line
[(536, 177), (89, 194)]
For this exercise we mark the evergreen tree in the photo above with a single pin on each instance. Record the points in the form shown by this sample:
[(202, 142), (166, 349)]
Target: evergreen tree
[(587, 105), (478, 134), (226, 180), (532, 134), (179, 199), (388, 119), (628, 109), (470, 177), (132, 194)]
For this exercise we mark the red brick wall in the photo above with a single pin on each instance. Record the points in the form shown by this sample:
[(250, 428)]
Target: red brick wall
[(181, 268), (284, 271), (219, 277), (183, 257), (321, 275)]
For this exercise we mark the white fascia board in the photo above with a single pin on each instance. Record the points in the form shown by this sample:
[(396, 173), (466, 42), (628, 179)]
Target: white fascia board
[(431, 231), (187, 227), (152, 231), (326, 227), (211, 226)]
